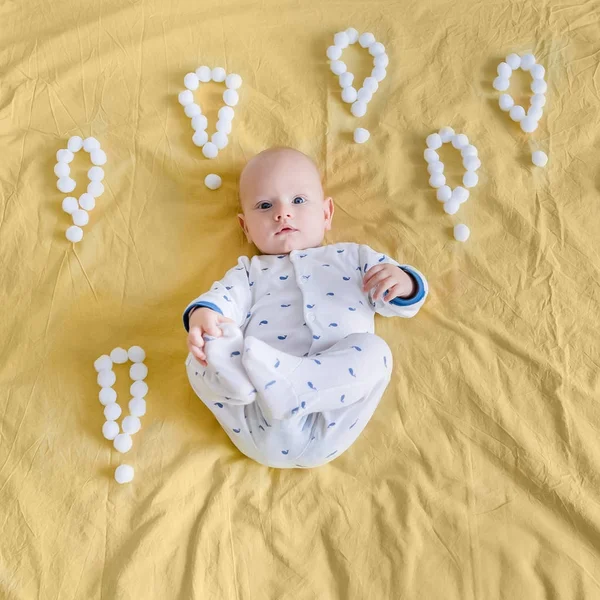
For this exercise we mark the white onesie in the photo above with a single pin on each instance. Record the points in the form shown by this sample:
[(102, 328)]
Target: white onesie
[(298, 376)]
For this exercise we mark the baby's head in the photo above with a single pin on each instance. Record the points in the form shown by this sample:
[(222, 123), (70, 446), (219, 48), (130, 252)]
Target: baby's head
[(283, 204)]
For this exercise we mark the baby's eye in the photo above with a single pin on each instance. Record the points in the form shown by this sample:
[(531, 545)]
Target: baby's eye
[(298, 200), (264, 205)]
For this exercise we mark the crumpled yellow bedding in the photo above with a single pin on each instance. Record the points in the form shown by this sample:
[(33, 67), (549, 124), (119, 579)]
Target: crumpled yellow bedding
[(478, 476)]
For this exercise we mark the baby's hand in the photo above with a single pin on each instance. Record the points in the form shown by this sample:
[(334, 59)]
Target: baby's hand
[(203, 320), (388, 277)]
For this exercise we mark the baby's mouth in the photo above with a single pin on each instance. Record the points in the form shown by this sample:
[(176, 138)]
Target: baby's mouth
[(286, 229)]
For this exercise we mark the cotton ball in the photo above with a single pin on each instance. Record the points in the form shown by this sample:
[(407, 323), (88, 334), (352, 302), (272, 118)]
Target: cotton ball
[(74, 234), (186, 97), (471, 163), (444, 193), (381, 60), (468, 150), (200, 138), (431, 155), (376, 49), (379, 73), (138, 371), (538, 100), (87, 201), (75, 143), (513, 61), (461, 232), (218, 74), (527, 61), (98, 157), (103, 363), (112, 411), (501, 84), (364, 95), (90, 144), (137, 407), (136, 354), (192, 110), (470, 179), (539, 158), (210, 150), (231, 97), (233, 81), (226, 113), (504, 70), (460, 141), (107, 396), (370, 83), (64, 156), (69, 205), (537, 71), (451, 207), (62, 169), (435, 167), (204, 74), (96, 174), (123, 443), (434, 141), (138, 389), (106, 378), (361, 135), (334, 52), (346, 79), (446, 134), (506, 102), (349, 95), (366, 39), (517, 113), (212, 182), (131, 424), (219, 139), (191, 81), (341, 39), (110, 430), (124, 474), (539, 86), (80, 217), (358, 109), (352, 35), (224, 126), (65, 184), (119, 356), (535, 112), (460, 194), (437, 180), (95, 188), (338, 67), (529, 124)]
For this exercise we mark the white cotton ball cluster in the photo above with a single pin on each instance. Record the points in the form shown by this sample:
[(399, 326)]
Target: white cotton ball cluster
[(218, 74), (91, 143), (212, 181), (233, 81), (131, 424), (527, 61), (74, 234), (334, 52), (103, 363), (112, 411), (513, 61), (434, 141), (346, 79), (338, 67), (95, 188), (200, 138), (106, 378), (460, 141), (461, 232), (96, 174), (191, 81), (361, 135), (204, 74), (468, 150), (341, 40), (69, 205), (98, 156), (192, 110), (107, 395), (75, 143), (435, 167), (537, 71), (446, 134), (437, 180), (506, 102), (123, 442), (364, 95), (138, 389), (366, 39), (539, 86), (349, 95), (470, 179), (504, 70), (124, 474), (528, 124), (219, 139), (64, 156), (87, 201), (501, 84), (376, 49), (62, 169), (471, 163), (444, 193), (460, 194), (431, 156), (136, 354), (379, 73), (210, 150), (119, 356), (137, 407), (80, 217), (138, 371), (65, 184), (517, 113), (352, 35), (358, 108), (185, 98), (231, 97), (110, 430), (539, 158), (451, 207)]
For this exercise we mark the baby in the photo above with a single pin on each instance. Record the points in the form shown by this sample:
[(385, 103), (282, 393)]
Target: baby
[(282, 349)]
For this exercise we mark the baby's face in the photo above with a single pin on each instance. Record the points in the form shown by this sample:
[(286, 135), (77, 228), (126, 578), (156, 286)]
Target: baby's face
[(283, 202)]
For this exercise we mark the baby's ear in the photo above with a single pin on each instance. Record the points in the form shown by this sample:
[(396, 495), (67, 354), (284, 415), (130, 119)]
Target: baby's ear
[(242, 222), (329, 209)]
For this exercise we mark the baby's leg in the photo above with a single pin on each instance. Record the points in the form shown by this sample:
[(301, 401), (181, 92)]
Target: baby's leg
[(289, 385)]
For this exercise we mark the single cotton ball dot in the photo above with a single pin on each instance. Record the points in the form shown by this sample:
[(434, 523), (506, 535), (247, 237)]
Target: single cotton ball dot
[(219, 139), (359, 109), (107, 395), (200, 138), (87, 201), (231, 97), (349, 95), (204, 74), (199, 123), (468, 150), (538, 100), (504, 70), (470, 179), (233, 81), (112, 411), (224, 126), (435, 167), (80, 217), (341, 39), (364, 95), (346, 79), (437, 180), (506, 102), (334, 52), (90, 144), (471, 163), (460, 141), (535, 112), (513, 61), (226, 113), (366, 39), (75, 143), (539, 158), (444, 193), (61, 169), (95, 188), (376, 49), (378, 73), (434, 141), (361, 135), (218, 74), (69, 205), (124, 474), (138, 389), (119, 356), (137, 407), (96, 174), (461, 232), (381, 60), (98, 156), (191, 81), (527, 61), (74, 234), (352, 35), (501, 84), (191, 110), (65, 184), (446, 134), (338, 67), (106, 378), (460, 194), (131, 424), (210, 150), (186, 97), (529, 124), (431, 155), (136, 354), (451, 207), (65, 156), (102, 363), (539, 86), (212, 181), (123, 443), (370, 83), (110, 430), (537, 71), (517, 113), (138, 371)]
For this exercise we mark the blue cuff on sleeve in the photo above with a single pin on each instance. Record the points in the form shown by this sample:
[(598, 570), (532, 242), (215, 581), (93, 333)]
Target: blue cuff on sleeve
[(417, 296), (186, 314)]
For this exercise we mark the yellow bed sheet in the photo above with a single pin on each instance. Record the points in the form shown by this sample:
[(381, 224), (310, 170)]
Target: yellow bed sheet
[(478, 477)]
